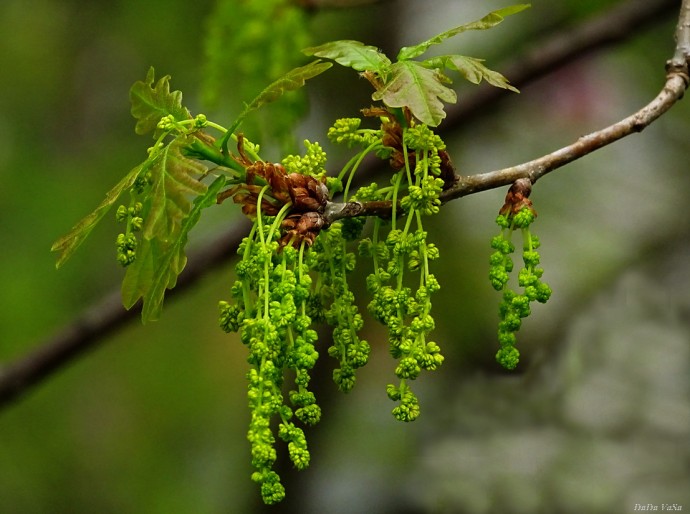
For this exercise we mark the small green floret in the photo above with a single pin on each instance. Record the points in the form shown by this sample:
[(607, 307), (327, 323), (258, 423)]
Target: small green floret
[(421, 138), (312, 163), (346, 131)]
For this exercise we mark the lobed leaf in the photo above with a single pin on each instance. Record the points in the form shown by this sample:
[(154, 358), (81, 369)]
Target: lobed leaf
[(150, 103), (352, 54), (69, 243), (490, 20), (166, 214), (472, 69), (173, 179), (419, 88), (159, 262)]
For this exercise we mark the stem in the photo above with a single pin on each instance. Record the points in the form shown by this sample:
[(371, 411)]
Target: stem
[(223, 144), (680, 57), (347, 166), (267, 294), (300, 274), (375, 241), (396, 186), (357, 162), (205, 152), (216, 126), (246, 290), (278, 220), (407, 163), (527, 238), (259, 221)]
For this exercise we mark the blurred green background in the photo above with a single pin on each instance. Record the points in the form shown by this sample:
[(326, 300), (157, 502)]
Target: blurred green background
[(596, 419)]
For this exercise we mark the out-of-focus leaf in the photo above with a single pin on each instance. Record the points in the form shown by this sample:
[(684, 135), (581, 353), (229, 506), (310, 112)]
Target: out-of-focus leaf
[(68, 243), (291, 81), (352, 54), (419, 88), (150, 103), (472, 69), (159, 262), (490, 20)]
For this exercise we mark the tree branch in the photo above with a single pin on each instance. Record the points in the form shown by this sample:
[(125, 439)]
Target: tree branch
[(680, 58), (96, 323), (618, 24), (547, 56), (677, 82), (102, 319)]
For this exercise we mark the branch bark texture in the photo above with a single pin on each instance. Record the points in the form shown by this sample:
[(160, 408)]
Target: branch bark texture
[(93, 326), (674, 88)]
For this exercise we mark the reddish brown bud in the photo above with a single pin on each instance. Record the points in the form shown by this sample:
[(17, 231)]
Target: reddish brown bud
[(518, 197), (301, 228)]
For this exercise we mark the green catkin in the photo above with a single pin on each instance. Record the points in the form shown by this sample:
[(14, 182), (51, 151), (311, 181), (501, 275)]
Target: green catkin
[(269, 310), (334, 263), (405, 310), (514, 306)]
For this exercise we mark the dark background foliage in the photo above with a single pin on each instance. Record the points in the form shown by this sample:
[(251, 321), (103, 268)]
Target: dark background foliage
[(597, 416)]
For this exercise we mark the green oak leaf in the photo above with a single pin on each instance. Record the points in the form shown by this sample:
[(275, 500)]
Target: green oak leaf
[(159, 262), (150, 103), (490, 20), (173, 179), (418, 88), (353, 54), (69, 243), (472, 69)]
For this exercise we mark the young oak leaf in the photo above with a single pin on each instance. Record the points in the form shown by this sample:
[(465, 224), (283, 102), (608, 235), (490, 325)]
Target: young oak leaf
[(172, 177), (159, 263), (353, 54), (167, 209), (150, 103), (69, 243), (472, 69), (490, 20), (418, 88)]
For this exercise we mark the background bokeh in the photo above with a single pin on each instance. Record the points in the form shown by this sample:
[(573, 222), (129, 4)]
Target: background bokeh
[(596, 418)]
